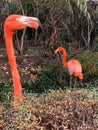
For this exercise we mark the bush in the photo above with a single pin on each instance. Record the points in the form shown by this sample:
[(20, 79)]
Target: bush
[(58, 109), (53, 76), (5, 91), (89, 61)]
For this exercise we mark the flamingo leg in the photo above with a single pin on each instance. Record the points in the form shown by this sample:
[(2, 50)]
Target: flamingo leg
[(75, 81), (70, 82)]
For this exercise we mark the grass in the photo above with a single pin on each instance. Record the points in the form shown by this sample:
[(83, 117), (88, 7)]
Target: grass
[(54, 110)]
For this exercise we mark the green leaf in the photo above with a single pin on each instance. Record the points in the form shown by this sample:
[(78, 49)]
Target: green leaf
[(27, 1), (10, 1)]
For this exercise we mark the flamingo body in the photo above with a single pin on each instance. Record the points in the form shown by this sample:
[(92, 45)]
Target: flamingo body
[(12, 23), (75, 68)]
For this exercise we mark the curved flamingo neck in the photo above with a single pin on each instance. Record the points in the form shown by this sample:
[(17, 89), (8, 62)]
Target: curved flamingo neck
[(64, 58), (13, 66)]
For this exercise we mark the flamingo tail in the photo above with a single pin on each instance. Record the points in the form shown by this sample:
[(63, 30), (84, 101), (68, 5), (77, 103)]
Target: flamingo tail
[(79, 74)]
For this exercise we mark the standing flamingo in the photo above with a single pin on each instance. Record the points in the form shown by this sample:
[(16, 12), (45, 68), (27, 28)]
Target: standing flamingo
[(74, 67), (12, 23)]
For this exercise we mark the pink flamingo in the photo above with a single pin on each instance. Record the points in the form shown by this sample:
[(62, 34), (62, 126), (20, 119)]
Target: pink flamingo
[(74, 67), (12, 23)]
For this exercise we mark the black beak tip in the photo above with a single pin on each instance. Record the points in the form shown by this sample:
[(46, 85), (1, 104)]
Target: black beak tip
[(40, 28)]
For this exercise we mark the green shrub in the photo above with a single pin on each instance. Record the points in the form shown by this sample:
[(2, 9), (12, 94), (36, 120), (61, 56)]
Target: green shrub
[(89, 61), (52, 76), (5, 91)]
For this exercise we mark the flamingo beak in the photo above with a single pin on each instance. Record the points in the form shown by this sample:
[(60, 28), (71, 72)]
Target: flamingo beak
[(56, 51), (34, 22), (40, 25)]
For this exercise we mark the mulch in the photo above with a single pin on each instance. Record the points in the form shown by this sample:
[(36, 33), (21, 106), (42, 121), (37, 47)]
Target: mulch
[(28, 67)]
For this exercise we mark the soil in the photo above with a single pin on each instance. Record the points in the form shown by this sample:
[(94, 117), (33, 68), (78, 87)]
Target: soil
[(28, 67)]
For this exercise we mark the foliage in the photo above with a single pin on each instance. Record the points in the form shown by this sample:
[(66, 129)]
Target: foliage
[(82, 25), (56, 109), (89, 62), (63, 27), (10, 1), (53, 75), (5, 91)]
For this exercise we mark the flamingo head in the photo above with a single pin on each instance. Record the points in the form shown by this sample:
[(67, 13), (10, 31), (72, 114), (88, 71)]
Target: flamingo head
[(18, 22), (59, 49)]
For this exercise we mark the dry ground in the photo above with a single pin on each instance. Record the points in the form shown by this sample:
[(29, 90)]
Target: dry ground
[(28, 66)]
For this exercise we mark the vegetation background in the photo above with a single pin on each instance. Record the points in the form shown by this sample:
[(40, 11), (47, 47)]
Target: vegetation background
[(48, 103)]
